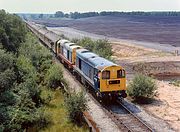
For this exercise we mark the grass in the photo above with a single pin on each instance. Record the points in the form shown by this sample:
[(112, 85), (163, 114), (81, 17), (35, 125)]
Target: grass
[(175, 83), (59, 118)]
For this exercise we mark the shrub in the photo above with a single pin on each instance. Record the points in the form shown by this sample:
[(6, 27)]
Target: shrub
[(25, 69), (142, 86), (54, 76), (43, 119), (1, 128), (35, 52), (46, 95), (76, 104), (12, 31), (101, 47), (86, 43), (7, 60), (175, 83)]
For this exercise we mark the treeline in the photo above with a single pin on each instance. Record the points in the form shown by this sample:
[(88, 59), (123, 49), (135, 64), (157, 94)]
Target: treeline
[(77, 15), (25, 68)]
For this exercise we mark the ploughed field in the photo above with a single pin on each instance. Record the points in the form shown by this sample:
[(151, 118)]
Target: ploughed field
[(158, 29)]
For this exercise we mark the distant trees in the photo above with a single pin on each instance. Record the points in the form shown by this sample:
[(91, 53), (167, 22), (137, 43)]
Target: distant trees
[(40, 15), (77, 15), (59, 14)]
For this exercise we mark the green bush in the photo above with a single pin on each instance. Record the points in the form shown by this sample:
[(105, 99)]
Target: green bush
[(12, 31), (25, 69), (142, 86), (32, 50), (46, 95), (76, 104), (7, 60), (21, 103), (54, 76), (101, 47), (43, 120)]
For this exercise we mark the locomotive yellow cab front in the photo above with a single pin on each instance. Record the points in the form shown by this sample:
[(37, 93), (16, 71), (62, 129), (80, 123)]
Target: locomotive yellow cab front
[(112, 79)]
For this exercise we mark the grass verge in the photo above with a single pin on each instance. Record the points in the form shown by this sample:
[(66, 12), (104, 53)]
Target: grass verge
[(59, 116)]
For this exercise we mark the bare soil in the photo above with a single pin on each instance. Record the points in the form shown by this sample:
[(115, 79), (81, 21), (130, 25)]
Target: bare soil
[(166, 105)]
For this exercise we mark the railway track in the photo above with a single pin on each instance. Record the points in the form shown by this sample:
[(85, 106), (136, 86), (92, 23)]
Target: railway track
[(123, 117), (132, 121), (126, 120)]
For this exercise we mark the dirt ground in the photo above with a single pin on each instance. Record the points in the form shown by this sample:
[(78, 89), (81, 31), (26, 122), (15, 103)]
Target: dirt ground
[(166, 104), (123, 50)]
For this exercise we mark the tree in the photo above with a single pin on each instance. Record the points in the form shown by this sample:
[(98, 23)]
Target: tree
[(76, 104), (7, 74), (142, 86), (54, 76), (41, 15), (66, 15), (22, 61), (86, 43), (103, 48), (12, 31), (59, 14)]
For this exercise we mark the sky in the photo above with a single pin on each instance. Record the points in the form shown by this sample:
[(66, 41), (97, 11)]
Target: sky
[(51, 6)]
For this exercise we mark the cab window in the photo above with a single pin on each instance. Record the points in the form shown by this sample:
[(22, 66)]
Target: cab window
[(106, 74), (120, 73)]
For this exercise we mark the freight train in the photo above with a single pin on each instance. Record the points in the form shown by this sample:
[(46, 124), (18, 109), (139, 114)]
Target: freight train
[(105, 78)]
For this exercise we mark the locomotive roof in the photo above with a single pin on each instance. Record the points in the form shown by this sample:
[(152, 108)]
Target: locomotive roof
[(93, 59), (85, 54), (100, 62)]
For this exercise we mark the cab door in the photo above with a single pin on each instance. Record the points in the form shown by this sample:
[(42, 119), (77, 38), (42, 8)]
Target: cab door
[(96, 80)]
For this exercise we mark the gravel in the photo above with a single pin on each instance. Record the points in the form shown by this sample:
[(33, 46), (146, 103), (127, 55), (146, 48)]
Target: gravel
[(156, 123)]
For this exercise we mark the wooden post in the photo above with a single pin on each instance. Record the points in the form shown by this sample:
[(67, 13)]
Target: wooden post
[(176, 53)]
